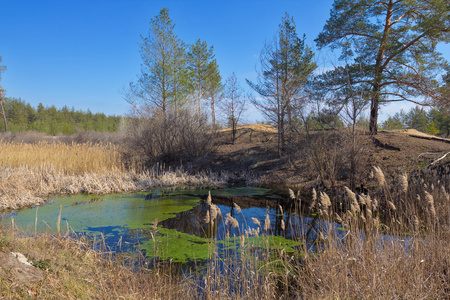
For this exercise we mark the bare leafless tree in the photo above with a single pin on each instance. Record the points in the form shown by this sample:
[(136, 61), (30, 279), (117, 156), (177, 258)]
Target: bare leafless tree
[(233, 103)]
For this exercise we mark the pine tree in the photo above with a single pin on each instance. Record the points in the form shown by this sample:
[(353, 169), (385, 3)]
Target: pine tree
[(161, 84), (199, 58), (286, 64), (213, 88), (394, 43)]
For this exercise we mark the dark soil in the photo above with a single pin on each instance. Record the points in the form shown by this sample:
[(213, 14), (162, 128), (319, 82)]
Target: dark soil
[(253, 159)]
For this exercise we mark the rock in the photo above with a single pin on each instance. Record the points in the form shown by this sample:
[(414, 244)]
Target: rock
[(15, 266)]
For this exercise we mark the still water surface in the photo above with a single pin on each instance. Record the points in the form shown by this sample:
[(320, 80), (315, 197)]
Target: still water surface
[(126, 221)]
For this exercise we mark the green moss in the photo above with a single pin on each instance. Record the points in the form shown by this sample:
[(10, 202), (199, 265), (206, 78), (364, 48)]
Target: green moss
[(178, 246)]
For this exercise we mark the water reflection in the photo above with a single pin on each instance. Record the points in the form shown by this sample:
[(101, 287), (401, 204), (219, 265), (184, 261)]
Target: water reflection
[(126, 221), (285, 223)]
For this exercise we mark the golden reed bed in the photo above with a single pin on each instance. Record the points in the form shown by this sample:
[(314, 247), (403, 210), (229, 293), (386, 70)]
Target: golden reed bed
[(29, 173), (70, 159)]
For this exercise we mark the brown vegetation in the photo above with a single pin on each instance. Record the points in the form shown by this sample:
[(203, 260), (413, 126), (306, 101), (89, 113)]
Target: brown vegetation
[(397, 225), (322, 157), (31, 172)]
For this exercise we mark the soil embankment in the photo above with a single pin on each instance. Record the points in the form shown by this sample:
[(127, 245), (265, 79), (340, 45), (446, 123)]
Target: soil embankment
[(254, 159)]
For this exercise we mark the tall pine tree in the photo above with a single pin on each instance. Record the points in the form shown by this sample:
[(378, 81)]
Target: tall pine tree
[(163, 79), (394, 43), (286, 64), (213, 88), (199, 57)]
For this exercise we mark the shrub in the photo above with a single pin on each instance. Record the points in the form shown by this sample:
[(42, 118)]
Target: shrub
[(179, 136)]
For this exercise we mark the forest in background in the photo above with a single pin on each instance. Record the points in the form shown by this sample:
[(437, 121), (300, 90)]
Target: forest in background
[(50, 120)]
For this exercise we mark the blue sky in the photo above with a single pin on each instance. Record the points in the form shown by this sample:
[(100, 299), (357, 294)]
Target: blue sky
[(83, 53)]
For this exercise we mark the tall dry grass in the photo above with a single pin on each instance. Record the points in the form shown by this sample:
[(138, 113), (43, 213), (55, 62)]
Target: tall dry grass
[(31, 172), (395, 244), (75, 268), (70, 159)]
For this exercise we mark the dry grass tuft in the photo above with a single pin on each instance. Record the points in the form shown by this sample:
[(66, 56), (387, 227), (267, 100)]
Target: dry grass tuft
[(256, 221), (404, 182), (237, 207), (267, 223)]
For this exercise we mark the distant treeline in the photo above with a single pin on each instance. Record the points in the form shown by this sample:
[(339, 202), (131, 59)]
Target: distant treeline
[(432, 121), (21, 116)]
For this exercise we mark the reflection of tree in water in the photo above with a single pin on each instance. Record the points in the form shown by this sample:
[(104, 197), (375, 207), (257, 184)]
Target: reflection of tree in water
[(286, 222), (193, 222)]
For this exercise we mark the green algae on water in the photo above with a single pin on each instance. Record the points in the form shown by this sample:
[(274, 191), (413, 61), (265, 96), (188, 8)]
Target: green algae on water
[(267, 242), (132, 211), (177, 246)]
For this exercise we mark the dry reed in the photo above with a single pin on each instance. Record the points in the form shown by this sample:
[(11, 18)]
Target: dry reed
[(430, 202), (30, 173), (232, 221), (324, 200), (404, 182), (379, 176), (256, 221), (237, 207), (267, 223), (69, 159)]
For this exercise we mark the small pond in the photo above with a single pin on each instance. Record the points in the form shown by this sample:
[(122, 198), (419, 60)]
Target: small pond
[(126, 221)]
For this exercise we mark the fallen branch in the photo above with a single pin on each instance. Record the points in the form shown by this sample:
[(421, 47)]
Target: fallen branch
[(442, 157), (427, 153)]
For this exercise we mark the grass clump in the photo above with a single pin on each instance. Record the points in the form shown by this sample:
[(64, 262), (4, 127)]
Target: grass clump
[(73, 270)]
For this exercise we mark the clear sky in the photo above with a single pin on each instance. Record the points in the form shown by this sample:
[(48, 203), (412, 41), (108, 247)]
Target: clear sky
[(82, 53)]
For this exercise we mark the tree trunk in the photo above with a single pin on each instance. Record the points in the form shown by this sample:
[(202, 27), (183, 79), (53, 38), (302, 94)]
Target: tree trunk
[(199, 102), (353, 158), (282, 136), (279, 133), (375, 101), (3, 111), (213, 112), (233, 121), (374, 106)]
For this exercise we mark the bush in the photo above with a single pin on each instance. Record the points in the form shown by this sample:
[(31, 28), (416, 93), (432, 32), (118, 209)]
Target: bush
[(179, 136), (26, 137)]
